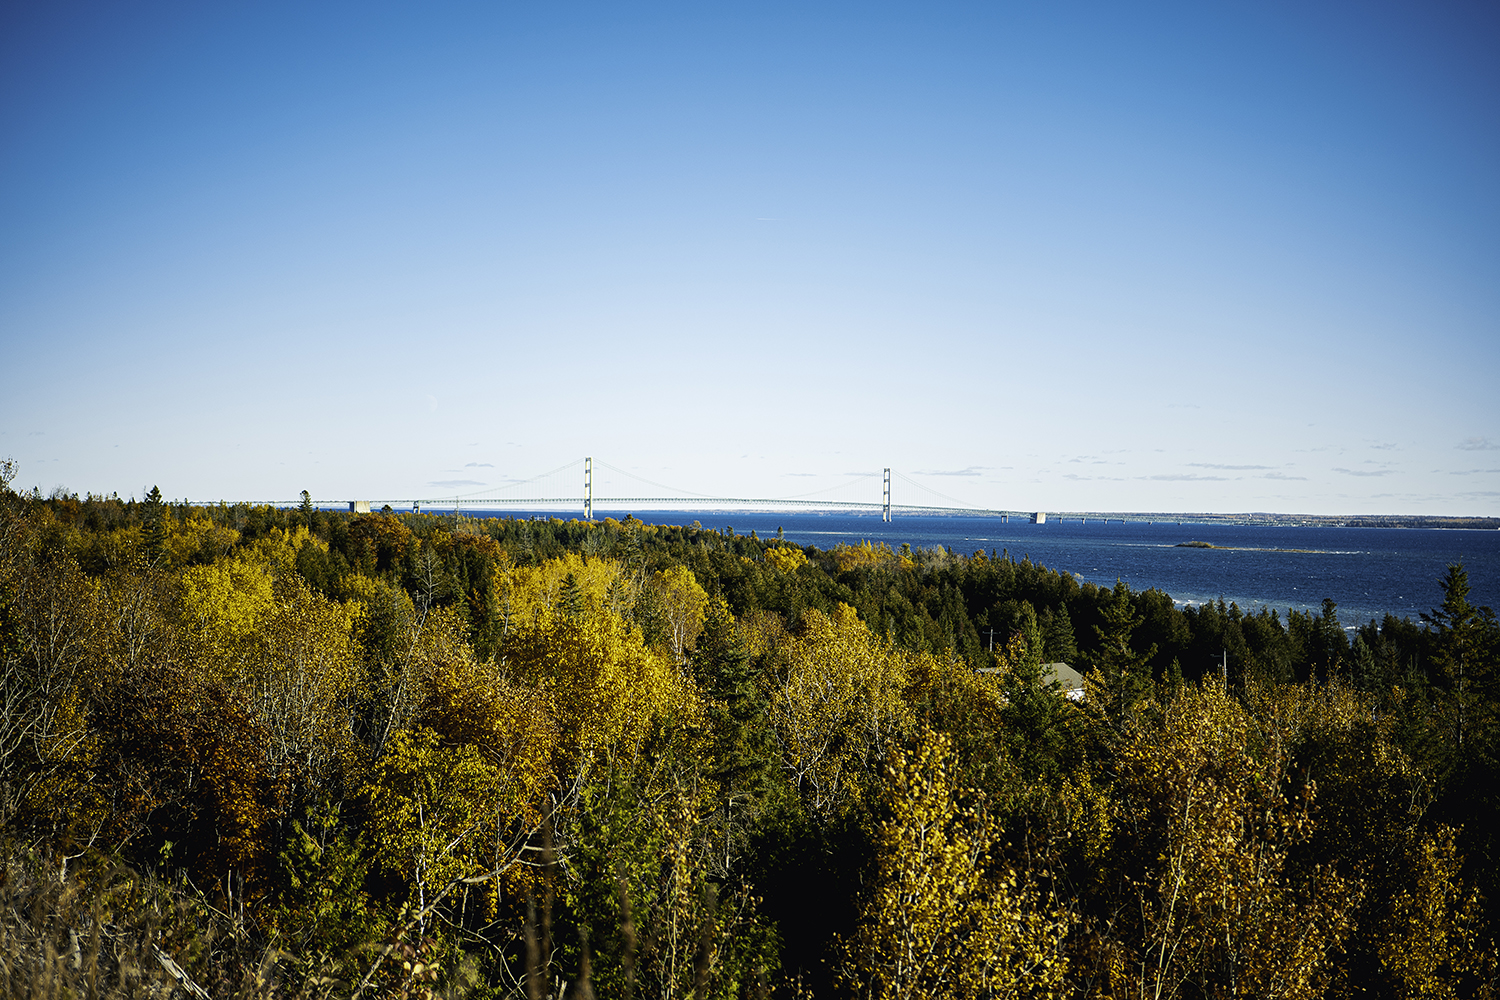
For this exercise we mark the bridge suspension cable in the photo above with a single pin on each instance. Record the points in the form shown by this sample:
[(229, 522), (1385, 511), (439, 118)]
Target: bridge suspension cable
[(927, 489), (511, 494), (487, 492), (835, 486), (648, 482)]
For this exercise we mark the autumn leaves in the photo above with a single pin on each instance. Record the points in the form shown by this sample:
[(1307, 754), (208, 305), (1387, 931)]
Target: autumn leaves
[(419, 756)]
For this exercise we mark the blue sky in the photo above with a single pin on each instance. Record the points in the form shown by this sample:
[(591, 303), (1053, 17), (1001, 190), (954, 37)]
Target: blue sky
[(1206, 257)]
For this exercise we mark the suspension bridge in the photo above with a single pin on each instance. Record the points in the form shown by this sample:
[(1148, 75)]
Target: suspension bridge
[(578, 479), (886, 492)]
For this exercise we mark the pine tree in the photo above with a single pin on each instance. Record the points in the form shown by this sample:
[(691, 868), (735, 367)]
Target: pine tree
[(1057, 635), (744, 755), (1465, 639), (1120, 676), (570, 598), (153, 514), (1035, 731)]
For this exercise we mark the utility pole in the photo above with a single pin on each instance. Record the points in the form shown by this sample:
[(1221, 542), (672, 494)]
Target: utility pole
[(588, 489), (885, 514)]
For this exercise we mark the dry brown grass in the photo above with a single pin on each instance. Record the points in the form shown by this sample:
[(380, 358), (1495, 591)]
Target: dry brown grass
[(106, 932)]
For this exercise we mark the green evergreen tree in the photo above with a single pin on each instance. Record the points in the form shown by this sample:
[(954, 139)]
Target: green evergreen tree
[(1465, 643), (570, 599), (1034, 731), (1331, 645), (743, 761), (1465, 650), (1121, 676), (1057, 635), (153, 514)]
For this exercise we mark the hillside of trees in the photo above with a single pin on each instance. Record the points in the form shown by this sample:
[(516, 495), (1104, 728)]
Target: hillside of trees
[(257, 752)]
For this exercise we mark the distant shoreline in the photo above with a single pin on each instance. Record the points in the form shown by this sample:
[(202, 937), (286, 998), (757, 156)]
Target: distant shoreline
[(1268, 520), (1297, 520), (604, 507)]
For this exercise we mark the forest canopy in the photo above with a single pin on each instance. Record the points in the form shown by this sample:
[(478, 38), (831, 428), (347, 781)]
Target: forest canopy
[(251, 751)]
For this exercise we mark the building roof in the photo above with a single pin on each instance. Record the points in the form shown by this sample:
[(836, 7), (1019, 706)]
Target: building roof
[(1070, 679)]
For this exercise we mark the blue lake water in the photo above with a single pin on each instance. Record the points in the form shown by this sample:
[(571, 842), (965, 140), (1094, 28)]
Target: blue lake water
[(1367, 571)]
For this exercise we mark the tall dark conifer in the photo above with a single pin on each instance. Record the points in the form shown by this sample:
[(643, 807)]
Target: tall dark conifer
[(570, 598), (1464, 639), (1122, 675), (153, 515), (1057, 635), (744, 754)]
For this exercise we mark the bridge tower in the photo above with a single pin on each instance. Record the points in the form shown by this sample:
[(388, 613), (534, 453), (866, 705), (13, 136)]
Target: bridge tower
[(885, 513), (588, 489)]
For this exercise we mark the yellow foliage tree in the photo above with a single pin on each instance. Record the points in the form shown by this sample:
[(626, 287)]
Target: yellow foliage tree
[(525, 591), (310, 671), (513, 727), (838, 702), (224, 603), (197, 539), (455, 797), (683, 604), (786, 558), (405, 648), (430, 805), (286, 655), (1431, 944), (278, 548), (863, 555), (1205, 798), (52, 621), (1420, 930), (606, 685), (941, 919)]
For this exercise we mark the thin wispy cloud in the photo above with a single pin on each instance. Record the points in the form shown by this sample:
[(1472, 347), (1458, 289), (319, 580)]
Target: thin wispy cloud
[(1283, 476), (1184, 477), (1230, 468), (1477, 444), (478, 465), (1365, 472), (973, 470), (455, 483)]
